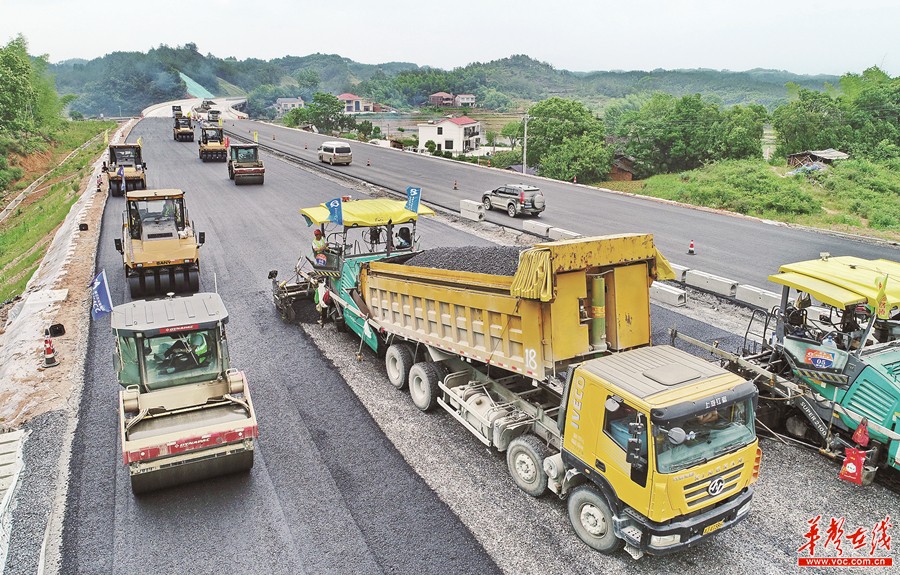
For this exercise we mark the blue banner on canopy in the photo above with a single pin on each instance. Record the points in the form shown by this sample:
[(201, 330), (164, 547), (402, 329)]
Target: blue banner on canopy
[(412, 199), (335, 211)]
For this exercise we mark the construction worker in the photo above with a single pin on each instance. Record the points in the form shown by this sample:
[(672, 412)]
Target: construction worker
[(319, 245), (404, 238)]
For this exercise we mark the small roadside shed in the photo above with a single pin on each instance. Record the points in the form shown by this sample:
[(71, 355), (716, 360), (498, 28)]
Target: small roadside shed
[(622, 169), (811, 156)]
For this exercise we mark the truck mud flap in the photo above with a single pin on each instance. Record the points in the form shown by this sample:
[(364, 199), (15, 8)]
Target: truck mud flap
[(188, 471)]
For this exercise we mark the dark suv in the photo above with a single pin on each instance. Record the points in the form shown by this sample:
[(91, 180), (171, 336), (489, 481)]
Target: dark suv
[(515, 199)]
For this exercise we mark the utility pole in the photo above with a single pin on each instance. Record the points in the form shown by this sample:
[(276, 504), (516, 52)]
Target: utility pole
[(525, 144)]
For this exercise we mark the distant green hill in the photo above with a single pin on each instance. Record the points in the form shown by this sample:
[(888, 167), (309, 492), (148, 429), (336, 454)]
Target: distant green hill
[(134, 80)]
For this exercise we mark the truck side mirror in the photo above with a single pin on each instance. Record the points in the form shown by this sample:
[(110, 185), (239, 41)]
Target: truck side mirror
[(118, 242), (612, 405), (201, 238), (676, 436)]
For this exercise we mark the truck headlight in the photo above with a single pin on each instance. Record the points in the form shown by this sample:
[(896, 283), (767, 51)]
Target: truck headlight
[(664, 540), (745, 508)]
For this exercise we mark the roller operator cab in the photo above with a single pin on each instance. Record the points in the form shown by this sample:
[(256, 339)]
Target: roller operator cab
[(244, 164), (184, 413), (212, 144), (124, 169), (159, 245), (183, 130)]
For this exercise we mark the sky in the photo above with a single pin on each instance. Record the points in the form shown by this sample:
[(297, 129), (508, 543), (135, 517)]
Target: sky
[(824, 37)]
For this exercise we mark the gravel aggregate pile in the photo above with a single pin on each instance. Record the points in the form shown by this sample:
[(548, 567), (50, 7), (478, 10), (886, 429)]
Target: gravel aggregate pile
[(34, 494), (496, 260)]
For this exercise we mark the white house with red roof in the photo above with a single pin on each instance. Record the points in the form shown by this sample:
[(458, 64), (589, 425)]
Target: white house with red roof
[(354, 104), (458, 135)]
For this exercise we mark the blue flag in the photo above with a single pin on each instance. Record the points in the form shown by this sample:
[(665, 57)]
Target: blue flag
[(101, 301), (335, 211), (412, 199)]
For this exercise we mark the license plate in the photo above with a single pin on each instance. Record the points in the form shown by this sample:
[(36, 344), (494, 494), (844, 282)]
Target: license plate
[(710, 528)]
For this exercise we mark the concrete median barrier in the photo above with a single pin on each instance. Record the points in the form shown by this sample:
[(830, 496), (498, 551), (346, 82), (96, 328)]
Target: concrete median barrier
[(471, 210), (757, 296), (710, 282), (680, 271), (535, 227), (665, 293), (561, 234)]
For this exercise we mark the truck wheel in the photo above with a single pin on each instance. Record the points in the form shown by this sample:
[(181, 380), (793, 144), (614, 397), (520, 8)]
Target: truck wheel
[(134, 287), (398, 360), (592, 519), (525, 459), (511, 210), (423, 385)]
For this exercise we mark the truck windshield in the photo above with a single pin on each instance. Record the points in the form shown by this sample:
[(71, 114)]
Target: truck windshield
[(246, 154), (180, 358), (156, 211), (708, 435)]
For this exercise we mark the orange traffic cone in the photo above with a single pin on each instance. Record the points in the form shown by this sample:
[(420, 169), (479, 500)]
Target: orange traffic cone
[(691, 249), (574, 179), (368, 163), (455, 187), (305, 147), (50, 359)]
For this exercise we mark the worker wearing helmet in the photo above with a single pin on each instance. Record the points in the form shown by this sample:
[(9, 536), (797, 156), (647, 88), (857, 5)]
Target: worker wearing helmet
[(188, 351), (319, 245)]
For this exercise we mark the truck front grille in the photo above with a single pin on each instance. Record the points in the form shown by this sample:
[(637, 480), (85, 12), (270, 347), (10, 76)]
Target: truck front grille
[(697, 493)]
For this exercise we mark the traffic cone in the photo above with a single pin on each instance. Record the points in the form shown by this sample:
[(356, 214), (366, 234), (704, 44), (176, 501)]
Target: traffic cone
[(49, 353), (273, 136), (368, 163), (455, 187), (574, 179), (489, 162), (691, 249), (305, 147)]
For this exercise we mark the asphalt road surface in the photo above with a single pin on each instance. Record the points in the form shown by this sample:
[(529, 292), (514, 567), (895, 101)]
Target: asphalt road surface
[(327, 494), (743, 249), (349, 477)]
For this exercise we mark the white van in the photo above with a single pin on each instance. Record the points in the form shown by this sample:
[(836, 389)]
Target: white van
[(335, 153)]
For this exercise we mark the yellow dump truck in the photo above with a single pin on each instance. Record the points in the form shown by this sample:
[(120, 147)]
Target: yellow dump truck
[(184, 414), (212, 144), (160, 249), (552, 365), (125, 169)]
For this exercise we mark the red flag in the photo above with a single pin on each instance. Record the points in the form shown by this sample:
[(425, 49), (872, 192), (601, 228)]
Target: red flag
[(852, 469)]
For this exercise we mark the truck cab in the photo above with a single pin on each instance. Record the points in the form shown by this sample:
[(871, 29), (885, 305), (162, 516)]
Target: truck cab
[(675, 439), (184, 413)]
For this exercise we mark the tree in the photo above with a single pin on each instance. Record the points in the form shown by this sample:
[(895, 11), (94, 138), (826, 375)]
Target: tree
[(512, 132), (296, 117), (491, 137), (308, 82), (430, 146), (553, 121), (584, 157), (326, 112), (814, 121), (365, 128)]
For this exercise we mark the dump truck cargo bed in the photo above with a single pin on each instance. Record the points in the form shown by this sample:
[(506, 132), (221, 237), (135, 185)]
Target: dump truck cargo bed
[(533, 323)]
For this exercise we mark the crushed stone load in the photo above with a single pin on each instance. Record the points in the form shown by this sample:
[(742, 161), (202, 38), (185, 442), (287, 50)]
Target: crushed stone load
[(496, 260)]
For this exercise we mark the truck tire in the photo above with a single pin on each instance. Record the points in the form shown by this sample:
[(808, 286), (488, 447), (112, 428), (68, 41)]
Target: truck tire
[(423, 385), (592, 519), (398, 360), (525, 459)]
